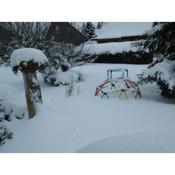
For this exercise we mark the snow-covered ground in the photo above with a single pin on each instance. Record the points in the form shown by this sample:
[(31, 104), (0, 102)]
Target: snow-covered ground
[(85, 123)]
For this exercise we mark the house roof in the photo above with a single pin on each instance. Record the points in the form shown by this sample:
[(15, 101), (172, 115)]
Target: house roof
[(65, 32), (122, 29)]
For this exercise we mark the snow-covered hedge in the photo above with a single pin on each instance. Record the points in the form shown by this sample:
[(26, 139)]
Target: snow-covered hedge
[(116, 52), (109, 48), (125, 57)]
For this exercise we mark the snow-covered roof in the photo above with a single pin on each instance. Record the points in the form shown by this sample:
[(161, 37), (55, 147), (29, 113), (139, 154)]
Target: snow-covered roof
[(109, 48), (120, 29), (27, 54)]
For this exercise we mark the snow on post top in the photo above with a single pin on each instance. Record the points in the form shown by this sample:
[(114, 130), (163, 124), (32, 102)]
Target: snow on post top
[(25, 55)]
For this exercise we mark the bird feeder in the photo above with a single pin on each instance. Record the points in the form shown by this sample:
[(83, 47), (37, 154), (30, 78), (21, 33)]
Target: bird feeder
[(29, 61)]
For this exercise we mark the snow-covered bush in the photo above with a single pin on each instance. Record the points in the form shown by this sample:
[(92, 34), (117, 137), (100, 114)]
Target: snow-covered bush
[(12, 103), (70, 88), (160, 41), (59, 77), (4, 133), (61, 58), (163, 73), (59, 53)]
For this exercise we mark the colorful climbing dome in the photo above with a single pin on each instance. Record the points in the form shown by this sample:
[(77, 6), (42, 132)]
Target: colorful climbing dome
[(120, 87)]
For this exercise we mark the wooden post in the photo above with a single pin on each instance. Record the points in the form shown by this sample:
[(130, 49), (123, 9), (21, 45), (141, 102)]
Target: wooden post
[(32, 92), (28, 61)]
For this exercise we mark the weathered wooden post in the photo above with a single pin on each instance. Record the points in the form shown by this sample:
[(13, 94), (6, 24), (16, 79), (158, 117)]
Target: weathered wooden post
[(32, 91), (28, 61)]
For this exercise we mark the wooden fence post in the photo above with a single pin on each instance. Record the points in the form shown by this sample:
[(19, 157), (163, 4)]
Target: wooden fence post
[(32, 92)]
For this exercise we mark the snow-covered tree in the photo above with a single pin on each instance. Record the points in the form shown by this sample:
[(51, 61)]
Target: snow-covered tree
[(89, 30), (99, 25), (28, 34), (160, 41)]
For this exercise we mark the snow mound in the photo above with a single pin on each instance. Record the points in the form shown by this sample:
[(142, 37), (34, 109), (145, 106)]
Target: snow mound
[(27, 54), (12, 102), (119, 29), (108, 48)]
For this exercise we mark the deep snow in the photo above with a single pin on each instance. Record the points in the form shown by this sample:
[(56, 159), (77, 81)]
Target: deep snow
[(77, 123)]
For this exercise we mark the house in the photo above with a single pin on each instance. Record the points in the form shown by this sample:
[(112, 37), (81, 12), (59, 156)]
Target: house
[(65, 32), (115, 43)]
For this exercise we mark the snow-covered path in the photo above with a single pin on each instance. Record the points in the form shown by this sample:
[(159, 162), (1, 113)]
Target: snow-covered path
[(69, 124)]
